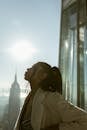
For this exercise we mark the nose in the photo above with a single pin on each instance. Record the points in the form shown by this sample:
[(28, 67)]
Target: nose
[(28, 69)]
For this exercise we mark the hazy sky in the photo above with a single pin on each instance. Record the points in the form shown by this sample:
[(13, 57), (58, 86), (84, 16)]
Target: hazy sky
[(29, 32)]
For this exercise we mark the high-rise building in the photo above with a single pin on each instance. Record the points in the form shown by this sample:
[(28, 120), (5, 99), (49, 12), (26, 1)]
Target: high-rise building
[(14, 103), (73, 51)]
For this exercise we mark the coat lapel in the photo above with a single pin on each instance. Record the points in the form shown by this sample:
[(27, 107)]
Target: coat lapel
[(21, 115)]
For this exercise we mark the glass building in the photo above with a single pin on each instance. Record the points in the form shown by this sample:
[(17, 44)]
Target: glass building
[(73, 51)]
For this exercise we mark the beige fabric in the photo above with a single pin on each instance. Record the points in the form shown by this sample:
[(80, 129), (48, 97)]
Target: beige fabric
[(37, 109), (50, 108), (25, 112)]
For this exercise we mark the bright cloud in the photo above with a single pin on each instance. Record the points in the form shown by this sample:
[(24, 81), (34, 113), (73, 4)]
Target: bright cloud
[(22, 50)]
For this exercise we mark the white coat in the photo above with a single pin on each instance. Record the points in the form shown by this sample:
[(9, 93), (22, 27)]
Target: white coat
[(50, 108)]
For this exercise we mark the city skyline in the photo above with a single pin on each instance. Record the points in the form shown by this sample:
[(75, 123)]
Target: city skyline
[(29, 33)]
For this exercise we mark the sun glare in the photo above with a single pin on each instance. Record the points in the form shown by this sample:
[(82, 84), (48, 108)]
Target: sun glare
[(22, 51)]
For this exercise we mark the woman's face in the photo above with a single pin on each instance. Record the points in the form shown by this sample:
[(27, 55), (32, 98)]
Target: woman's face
[(35, 75), (29, 73)]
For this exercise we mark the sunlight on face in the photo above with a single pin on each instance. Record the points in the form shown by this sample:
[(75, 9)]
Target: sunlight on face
[(22, 51)]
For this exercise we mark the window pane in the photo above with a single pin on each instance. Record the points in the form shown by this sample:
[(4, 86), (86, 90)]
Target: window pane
[(67, 3), (82, 11), (68, 54), (83, 51)]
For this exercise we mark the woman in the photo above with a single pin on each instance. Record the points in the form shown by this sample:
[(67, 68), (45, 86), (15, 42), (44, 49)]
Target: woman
[(45, 108)]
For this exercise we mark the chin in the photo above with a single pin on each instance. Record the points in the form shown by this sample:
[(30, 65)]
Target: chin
[(25, 78)]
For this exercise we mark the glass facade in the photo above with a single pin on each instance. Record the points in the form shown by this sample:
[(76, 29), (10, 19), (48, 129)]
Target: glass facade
[(73, 51)]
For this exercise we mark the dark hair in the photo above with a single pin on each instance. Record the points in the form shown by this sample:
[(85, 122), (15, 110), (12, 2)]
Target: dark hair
[(53, 81), (58, 79), (44, 65)]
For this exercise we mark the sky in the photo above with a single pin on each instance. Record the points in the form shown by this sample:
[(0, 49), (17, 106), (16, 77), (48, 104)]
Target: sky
[(29, 32)]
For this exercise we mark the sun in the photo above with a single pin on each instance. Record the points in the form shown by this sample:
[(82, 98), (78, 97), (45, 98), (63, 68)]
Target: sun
[(22, 50)]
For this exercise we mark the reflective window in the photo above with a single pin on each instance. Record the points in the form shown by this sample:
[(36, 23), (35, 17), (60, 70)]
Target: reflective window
[(83, 11), (68, 61), (83, 62), (73, 52), (67, 3)]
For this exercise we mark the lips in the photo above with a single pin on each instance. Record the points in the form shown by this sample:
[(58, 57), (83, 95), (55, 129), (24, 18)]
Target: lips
[(26, 75)]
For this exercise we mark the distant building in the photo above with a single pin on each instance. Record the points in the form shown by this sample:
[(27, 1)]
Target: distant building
[(14, 104), (73, 51)]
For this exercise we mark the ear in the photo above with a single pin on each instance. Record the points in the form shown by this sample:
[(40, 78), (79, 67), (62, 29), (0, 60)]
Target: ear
[(43, 76)]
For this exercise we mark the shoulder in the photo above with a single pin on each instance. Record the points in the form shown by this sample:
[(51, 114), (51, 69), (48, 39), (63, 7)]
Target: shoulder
[(48, 95), (52, 100), (54, 97)]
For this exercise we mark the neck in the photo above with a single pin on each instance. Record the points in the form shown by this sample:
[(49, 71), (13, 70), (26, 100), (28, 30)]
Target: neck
[(34, 89)]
